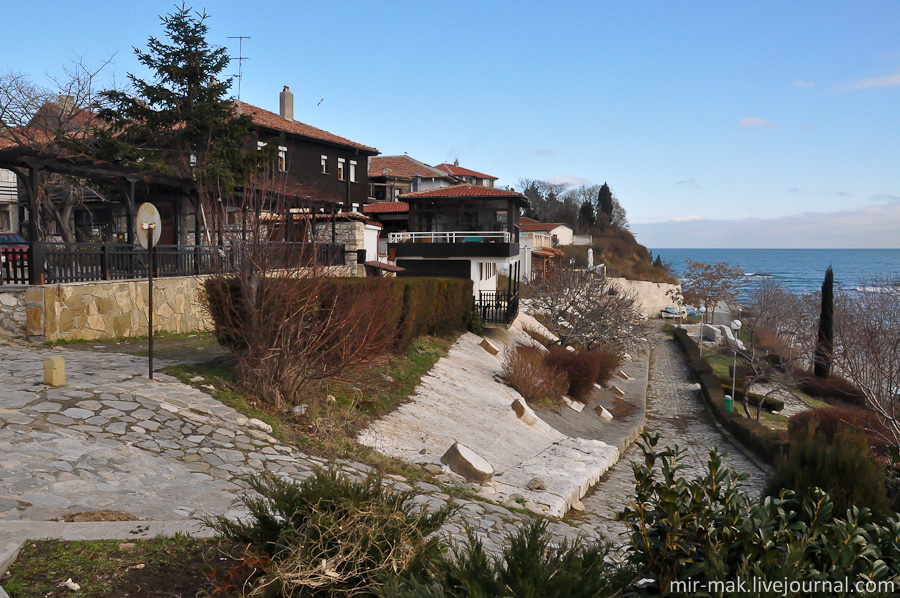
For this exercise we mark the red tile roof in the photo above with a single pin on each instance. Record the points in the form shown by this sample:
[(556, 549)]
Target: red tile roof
[(460, 171), (402, 167), (270, 120), (386, 207), (466, 190)]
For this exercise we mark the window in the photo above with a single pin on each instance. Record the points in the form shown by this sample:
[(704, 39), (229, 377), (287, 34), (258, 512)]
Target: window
[(340, 169), (282, 158), (352, 171), (324, 164)]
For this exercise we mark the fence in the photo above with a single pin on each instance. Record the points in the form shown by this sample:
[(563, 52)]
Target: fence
[(85, 262), (497, 307)]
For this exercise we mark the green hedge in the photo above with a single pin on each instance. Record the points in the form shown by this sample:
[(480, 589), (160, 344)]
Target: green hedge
[(412, 307), (766, 444)]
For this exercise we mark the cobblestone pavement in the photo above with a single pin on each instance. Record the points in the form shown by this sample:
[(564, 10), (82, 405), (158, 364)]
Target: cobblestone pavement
[(164, 451), (156, 449), (676, 411)]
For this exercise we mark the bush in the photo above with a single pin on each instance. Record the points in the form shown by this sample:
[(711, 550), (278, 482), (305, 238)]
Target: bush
[(528, 371), (707, 529), (770, 404), (829, 421), (833, 390), (843, 466), (582, 368), (608, 362), (531, 564), (329, 535)]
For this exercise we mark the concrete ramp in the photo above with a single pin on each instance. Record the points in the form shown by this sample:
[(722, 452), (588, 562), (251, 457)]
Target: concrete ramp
[(462, 399)]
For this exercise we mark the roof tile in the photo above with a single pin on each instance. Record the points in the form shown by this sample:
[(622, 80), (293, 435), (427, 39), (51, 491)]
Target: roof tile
[(264, 118)]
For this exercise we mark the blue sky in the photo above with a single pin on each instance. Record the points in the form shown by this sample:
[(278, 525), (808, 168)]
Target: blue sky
[(738, 124)]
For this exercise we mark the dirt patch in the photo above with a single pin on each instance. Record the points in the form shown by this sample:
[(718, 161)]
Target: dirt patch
[(619, 408), (101, 515), (183, 348)]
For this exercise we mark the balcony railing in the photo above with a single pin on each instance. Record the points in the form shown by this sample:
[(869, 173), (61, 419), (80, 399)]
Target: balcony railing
[(480, 236), (497, 307)]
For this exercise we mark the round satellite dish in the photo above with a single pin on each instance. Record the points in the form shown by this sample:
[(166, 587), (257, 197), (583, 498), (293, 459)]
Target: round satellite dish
[(149, 226)]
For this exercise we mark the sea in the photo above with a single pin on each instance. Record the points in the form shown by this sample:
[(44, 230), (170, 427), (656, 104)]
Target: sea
[(801, 270)]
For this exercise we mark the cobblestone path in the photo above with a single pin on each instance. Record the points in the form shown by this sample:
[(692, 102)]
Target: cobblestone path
[(676, 411), (164, 451)]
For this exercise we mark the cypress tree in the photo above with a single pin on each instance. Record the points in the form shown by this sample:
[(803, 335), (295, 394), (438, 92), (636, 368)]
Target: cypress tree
[(825, 339), (605, 201)]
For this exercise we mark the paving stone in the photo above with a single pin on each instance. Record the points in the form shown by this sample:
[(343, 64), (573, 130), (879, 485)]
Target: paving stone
[(46, 407), (78, 413), (90, 405), (116, 428), (55, 418), (120, 405)]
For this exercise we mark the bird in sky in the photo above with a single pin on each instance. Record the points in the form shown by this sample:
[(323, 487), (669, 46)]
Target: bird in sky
[(320, 101)]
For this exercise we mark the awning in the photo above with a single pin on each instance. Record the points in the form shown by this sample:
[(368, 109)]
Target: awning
[(385, 266)]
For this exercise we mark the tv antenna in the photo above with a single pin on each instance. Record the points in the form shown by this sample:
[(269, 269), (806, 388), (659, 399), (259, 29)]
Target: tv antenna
[(240, 59)]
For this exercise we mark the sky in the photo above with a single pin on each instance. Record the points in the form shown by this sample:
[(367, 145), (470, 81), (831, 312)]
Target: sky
[(716, 124)]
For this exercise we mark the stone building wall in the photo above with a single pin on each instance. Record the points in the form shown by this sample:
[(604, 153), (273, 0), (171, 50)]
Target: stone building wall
[(12, 312), (350, 233)]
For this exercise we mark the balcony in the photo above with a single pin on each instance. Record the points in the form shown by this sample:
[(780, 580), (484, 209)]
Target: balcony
[(447, 244)]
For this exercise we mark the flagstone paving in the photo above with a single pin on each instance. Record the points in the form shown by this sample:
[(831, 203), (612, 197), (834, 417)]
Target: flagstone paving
[(166, 452)]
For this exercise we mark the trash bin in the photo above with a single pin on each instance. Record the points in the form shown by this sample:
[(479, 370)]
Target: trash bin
[(729, 404)]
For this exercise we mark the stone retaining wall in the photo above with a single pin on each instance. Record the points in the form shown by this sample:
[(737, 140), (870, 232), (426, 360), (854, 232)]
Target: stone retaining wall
[(651, 295), (12, 312), (113, 309)]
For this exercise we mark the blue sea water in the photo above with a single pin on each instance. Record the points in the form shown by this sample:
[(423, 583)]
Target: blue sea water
[(801, 270)]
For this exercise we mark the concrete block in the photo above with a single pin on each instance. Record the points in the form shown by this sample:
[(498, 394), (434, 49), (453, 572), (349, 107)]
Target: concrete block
[(55, 371), (618, 391), (624, 376), (524, 412), (467, 463), (489, 347), (604, 414), (573, 405)]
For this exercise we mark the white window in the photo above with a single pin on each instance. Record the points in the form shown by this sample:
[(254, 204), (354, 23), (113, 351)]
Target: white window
[(282, 158), (260, 145), (340, 169), (324, 164), (352, 171)]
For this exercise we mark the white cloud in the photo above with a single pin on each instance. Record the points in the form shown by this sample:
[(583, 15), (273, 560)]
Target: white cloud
[(874, 226), (569, 179), (754, 122), (801, 84), (871, 83)]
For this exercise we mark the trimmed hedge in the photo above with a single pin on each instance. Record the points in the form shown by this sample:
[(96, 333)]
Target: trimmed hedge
[(582, 367), (829, 421), (766, 444), (833, 390), (411, 306)]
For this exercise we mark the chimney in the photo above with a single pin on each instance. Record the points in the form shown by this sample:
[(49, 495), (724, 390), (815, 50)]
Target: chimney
[(286, 103), (66, 103), (456, 162)]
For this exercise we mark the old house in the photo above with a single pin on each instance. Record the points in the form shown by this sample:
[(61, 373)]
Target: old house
[(465, 175)]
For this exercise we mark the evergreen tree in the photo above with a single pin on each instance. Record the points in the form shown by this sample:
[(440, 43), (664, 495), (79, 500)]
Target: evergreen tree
[(181, 120), (825, 340), (586, 215), (658, 263), (605, 201)]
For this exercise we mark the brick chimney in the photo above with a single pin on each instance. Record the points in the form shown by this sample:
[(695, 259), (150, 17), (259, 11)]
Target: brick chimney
[(286, 103), (456, 162)]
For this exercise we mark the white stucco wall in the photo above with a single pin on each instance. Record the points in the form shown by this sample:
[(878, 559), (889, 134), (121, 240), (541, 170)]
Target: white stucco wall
[(370, 241), (564, 235), (651, 295)]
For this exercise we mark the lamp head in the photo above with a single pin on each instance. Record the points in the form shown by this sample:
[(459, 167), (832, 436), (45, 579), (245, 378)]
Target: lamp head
[(735, 326)]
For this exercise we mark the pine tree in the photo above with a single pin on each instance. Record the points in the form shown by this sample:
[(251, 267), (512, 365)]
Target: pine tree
[(181, 120), (825, 339), (586, 215)]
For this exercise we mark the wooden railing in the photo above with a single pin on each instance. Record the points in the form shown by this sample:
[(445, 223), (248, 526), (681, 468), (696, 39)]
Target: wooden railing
[(461, 236), (497, 307), (84, 262)]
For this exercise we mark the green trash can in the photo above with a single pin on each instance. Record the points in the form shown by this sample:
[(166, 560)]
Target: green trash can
[(729, 404)]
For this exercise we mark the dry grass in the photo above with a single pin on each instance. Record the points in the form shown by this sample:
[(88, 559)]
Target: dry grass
[(528, 371)]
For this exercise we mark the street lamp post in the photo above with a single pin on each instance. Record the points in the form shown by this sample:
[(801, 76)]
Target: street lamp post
[(735, 328)]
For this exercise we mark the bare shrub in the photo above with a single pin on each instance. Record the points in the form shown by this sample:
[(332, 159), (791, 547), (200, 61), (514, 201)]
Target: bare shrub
[(527, 370), (582, 369), (608, 364)]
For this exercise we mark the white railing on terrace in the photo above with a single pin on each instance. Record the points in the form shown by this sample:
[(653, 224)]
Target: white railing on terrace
[(452, 237)]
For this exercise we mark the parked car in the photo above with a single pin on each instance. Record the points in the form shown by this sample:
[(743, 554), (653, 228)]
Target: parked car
[(12, 242)]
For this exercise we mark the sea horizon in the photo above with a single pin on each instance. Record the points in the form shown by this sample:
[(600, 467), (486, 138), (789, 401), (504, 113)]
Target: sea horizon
[(801, 270)]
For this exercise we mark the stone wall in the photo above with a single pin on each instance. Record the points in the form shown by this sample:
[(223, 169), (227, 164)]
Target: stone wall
[(352, 235), (12, 312), (113, 309), (651, 295)]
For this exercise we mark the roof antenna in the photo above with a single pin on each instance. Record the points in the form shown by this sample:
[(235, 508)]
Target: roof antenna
[(240, 59)]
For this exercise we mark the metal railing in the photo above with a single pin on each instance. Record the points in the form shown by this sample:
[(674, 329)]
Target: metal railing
[(86, 262), (497, 307), (481, 236)]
